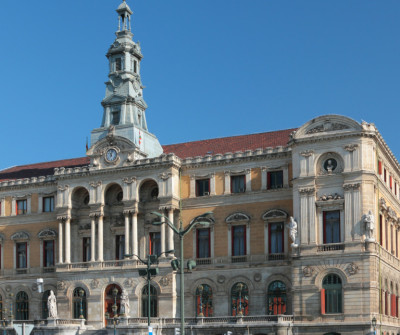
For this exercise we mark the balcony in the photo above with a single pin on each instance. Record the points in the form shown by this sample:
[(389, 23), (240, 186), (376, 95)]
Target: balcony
[(331, 247)]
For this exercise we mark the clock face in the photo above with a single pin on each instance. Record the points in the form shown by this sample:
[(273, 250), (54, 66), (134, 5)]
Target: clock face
[(111, 155)]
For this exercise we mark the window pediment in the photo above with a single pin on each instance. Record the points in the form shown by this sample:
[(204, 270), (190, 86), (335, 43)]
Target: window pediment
[(47, 233), (21, 235), (275, 214), (237, 217)]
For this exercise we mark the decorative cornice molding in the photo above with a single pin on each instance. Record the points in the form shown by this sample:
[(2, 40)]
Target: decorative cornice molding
[(165, 175), (307, 153), (129, 180), (329, 197), (21, 235), (47, 233), (350, 187), (235, 217), (350, 147), (63, 218), (273, 214), (95, 184)]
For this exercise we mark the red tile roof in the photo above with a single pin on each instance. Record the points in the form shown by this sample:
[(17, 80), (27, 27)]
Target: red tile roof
[(229, 144), (183, 150), (40, 169)]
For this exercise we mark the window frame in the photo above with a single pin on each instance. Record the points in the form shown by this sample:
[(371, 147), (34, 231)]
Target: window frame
[(198, 230), (154, 240), (17, 264), (154, 309), (269, 180), (282, 237), (17, 207), (274, 306), (204, 301), (51, 197), (86, 248), (206, 182), (240, 190), (337, 223), (328, 300), (328, 206), (45, 253), (22, 303)]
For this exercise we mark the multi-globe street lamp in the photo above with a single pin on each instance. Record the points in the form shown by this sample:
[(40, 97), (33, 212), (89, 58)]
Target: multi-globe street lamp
[(114, 308), (203, 220), (81, 294)]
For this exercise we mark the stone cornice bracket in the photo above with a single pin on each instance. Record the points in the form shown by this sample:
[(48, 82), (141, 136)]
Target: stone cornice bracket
[(165, 175), (334, 196), (227, 173), (350, 147), (63, 188), (96, 215), (307, 191), (129, 211), (129, 180), (95, 184), (63, 218), (349, 187), (307, 153), (382, 204)]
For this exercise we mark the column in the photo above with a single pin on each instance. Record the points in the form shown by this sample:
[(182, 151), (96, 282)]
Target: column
[(303, 217), (162, 237), (170, 231), (93, 238), (134, 234), (248, 180), (263, 178), (100, 240), (68, 240), (60, 241), (227, 184), (311, 217), (126, 214)]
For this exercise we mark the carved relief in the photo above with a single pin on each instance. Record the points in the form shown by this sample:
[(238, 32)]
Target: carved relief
[(334, 196), (257, 277), (61, 285), (308, 271), (164, 281), (327, 126), (45, 233), (129, 180), (237, 217), (352, 269), (128, 282), (165, 175), (274, 214), (221, 279), (330, 163), (94, 283), (349, 187), (95, 184)]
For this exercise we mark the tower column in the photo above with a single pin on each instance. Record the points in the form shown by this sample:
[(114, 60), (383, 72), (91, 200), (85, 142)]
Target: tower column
[(134, 234), (162, 235), (100, 238), (93, 238), (60, 240), (68, 240), (170, 231), (127, 248)]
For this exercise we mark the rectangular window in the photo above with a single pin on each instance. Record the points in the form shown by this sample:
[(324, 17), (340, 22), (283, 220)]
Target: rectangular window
[(22, 255), (21, 207), (391, 238), (115, 116), (238, 240), (397, 241), (48, 253), (384, 175), (386, 235), (203, 243), (395, 190), (386, 304), (202, 187), (118, 64), (379, 167), (380, 230), (119, 246), (48, 204), (135, 66), (390, 182), (331, 227), (0, 208), (392, 305), (86, 249), (155, 243), (275, 237), (274, 179), (238, 184)]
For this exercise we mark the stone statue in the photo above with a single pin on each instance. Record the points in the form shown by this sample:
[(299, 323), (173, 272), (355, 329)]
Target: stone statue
[(292, 226), (124, 303), (369, 221), (52, 305)]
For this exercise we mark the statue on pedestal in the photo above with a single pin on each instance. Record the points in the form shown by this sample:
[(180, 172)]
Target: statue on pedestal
[(52, 305), (124, 304), (292, 226), (369, 222)]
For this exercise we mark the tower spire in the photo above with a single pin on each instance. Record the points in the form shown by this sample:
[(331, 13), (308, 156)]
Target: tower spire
[(124, 17)]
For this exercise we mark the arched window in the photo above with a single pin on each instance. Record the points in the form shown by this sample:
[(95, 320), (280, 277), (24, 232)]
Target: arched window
[(204, 306), (112, 299), (239, 299), (332, 294), (45, 310), (22, 306), (276, 298), (153, 301), (79, 303)]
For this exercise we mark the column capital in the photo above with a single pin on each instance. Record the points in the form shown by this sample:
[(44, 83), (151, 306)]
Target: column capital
[(96, 214), (63, 218), (307, 191), (95, 184), (128, 211), (167, 208), (129, 180), (349, 187)]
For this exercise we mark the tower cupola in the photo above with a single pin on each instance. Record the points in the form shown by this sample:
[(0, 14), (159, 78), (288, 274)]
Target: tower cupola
[(123, 104)]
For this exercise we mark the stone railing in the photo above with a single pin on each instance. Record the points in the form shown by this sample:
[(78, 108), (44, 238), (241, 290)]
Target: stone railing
[(331, 247)]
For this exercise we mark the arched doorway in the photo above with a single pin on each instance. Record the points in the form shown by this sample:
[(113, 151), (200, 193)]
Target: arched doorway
[(111, 299)]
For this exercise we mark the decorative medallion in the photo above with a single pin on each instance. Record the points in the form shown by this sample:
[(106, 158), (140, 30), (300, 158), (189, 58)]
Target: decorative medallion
[(221, 279), (257, 277), (330, 165), (128, 282), (352, 269), (94, 283), (308, 271), (164, 281), (61, 285)]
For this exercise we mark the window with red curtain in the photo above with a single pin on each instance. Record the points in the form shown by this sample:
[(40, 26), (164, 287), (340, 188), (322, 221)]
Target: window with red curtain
[(387, 234), (332, 285), (22, 255), (323, 301), (379, 167), (239, 299), (384, 175), (397, 306), (155, 243), (274, 179), (276, 298), (393, 305), (390, 182)]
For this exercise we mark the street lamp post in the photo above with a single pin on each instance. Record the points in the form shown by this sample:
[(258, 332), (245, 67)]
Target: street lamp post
[(81, 293), (373, 321), (115, 309), (204, 220), (148, 273)]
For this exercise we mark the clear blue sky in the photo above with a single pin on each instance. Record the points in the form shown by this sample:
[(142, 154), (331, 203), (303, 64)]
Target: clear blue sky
[(211, 68)]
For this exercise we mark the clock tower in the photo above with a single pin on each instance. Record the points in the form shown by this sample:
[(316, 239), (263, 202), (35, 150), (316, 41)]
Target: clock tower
[(124, 107)]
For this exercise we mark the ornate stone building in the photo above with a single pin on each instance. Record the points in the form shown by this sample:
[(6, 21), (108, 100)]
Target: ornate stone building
[(303, 238)]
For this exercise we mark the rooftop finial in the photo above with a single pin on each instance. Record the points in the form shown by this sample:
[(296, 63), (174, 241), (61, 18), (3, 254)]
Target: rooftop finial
[(124, 17)]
